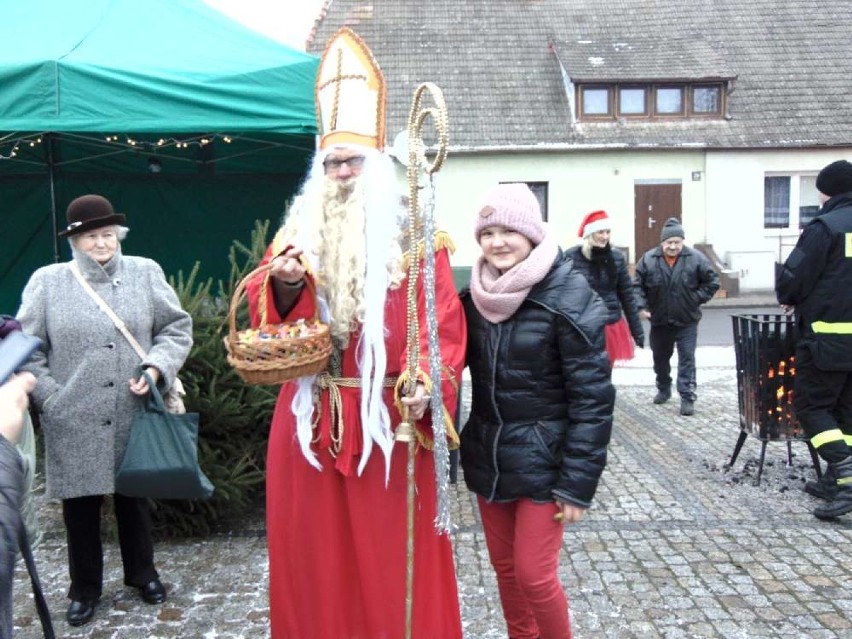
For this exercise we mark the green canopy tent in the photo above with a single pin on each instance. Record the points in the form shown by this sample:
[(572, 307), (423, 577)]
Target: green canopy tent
[(191, 124)]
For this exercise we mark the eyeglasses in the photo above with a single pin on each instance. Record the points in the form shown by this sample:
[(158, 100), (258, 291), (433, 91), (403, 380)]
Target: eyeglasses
[(334, 164)]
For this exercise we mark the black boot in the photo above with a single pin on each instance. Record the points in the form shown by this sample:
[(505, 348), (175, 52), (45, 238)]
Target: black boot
[(687, 407), (825, 487), (841, 502), (663, 396)]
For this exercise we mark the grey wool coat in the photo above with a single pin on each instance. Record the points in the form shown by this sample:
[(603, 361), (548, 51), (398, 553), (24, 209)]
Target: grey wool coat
[(85, 365)]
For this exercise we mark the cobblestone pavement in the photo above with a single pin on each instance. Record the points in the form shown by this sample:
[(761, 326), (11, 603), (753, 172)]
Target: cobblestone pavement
[(675, 546)]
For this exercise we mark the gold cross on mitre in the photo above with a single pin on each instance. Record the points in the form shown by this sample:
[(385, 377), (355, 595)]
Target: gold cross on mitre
[(350, 94)]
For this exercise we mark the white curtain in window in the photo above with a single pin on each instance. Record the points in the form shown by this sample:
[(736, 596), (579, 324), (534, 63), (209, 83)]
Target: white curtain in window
[(776, 202)]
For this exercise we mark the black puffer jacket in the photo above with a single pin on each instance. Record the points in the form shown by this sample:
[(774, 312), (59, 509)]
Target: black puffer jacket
[(674, 295), (542, 398), (608, 275)]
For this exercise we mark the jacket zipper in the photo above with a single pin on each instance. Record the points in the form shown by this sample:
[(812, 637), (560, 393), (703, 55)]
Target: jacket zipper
[(496, 412)]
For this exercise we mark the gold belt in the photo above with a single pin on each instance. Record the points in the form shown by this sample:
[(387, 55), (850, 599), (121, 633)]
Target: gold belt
[(325, 381)]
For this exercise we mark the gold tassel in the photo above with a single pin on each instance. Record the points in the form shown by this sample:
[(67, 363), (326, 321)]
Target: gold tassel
[(442, 241), (453, 442)]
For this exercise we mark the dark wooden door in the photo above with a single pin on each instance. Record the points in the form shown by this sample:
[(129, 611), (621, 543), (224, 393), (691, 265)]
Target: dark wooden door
[(654, 204)]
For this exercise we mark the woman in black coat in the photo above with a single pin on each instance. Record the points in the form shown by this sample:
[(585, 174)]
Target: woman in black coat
[(534, 446), (606, 271)]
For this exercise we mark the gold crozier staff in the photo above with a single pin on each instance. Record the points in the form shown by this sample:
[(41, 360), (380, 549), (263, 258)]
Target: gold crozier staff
[(418, 219)]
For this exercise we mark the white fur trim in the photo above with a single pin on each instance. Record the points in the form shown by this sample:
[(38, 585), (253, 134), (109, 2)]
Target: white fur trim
[(598, 225)]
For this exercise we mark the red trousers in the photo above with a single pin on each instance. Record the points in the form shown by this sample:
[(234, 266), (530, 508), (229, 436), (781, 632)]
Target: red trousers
[(523, 544)]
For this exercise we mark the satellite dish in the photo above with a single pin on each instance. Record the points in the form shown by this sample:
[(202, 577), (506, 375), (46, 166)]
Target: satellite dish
[(399, 149)]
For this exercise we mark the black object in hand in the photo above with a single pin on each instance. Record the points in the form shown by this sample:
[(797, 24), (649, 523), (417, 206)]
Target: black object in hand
[(15, 350)]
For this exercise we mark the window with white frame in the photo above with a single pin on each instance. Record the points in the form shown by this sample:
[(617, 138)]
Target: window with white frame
[(808, 199), (789, 201)]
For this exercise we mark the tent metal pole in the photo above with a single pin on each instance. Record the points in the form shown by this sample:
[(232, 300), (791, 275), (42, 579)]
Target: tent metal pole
[(51, 176)]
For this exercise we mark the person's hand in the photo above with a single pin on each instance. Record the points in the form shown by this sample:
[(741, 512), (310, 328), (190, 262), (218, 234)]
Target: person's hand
[(788, 308), (13, 403), (418, 403), (139, 386), (645, 314), (639, 341), (287, 267), (568, 513)]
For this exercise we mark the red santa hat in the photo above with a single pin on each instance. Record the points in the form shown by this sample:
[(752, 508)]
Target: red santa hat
[(594, 221)]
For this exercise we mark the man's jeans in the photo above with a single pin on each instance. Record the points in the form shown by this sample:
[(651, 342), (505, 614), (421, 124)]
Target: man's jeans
[(663, 340)]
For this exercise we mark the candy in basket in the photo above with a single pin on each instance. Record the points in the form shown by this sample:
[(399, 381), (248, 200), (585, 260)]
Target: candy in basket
[(276, 353)]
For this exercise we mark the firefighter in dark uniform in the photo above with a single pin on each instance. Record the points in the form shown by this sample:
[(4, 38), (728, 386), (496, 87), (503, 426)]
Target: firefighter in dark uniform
[(816, 282)]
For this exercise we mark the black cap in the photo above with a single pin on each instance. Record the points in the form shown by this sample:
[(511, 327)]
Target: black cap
[(835, 179)]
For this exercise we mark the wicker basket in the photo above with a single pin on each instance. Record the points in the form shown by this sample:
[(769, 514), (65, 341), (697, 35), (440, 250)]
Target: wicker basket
[(285, 354)]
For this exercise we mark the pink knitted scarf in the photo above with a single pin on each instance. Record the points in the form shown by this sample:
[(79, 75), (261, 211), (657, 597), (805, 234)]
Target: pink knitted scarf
[(497, 296)]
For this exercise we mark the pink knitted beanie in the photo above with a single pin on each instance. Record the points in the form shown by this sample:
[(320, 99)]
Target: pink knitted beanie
[(513, 206)]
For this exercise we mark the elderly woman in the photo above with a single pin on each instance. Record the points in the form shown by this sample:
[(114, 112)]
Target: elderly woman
[(89, 386), (535, 444)]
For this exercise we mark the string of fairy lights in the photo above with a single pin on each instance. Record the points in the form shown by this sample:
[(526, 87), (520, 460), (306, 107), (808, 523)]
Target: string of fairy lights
[(166, 142), (10, 148), (16, 146), (12, 145)]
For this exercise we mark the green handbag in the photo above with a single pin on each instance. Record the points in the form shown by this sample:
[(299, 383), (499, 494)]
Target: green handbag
[(161, 460)]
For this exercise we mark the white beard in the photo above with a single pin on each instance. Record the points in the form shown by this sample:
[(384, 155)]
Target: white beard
[(336, 246), (341, 258), (352, 243)]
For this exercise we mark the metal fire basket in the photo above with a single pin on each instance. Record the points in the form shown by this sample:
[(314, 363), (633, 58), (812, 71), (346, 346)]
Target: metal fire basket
[(765, 347)]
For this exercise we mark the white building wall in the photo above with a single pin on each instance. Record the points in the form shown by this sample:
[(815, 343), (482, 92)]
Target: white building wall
[(578, 182), (734, 208), (723, 207)]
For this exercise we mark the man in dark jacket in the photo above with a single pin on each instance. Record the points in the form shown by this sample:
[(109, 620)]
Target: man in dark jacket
[(672, 281), (816, 282)]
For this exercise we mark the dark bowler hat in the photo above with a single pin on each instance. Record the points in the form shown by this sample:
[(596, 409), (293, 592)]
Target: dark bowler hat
[(89, 212)]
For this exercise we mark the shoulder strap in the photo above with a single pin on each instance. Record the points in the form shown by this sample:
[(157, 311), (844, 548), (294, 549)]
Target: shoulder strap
[(119, 324)]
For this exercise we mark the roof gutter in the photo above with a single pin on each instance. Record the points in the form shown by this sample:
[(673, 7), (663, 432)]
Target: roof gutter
[(568, 148)]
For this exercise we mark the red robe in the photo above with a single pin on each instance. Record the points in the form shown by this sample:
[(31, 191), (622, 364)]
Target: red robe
[(337, 541)]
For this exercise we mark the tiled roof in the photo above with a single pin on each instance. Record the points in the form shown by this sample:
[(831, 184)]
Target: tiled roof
[(496, 62), (601, 59)]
